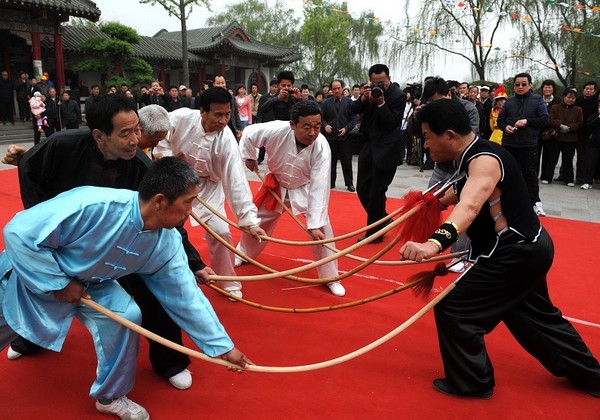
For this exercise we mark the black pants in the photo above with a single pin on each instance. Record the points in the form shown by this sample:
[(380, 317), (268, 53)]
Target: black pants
[(509, 287), (371, 185), (593, 159), (527, 160), (24, 110), (340, 150), (165, 361), (552, 151), (6, 112)]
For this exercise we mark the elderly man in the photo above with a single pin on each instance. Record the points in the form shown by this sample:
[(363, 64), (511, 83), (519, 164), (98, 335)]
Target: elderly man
[(300, 162), (511, 254), (205, 142), (106, 154), (85, 239)]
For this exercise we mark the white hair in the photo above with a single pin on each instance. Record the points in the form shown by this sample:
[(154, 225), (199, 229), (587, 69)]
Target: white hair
[(154, 119)]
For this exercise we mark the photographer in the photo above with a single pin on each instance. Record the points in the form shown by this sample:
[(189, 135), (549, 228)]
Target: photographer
[(287, 96), (382, 107), (155, 95)]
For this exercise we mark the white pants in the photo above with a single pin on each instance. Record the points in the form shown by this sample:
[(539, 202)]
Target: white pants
[(269, 220)]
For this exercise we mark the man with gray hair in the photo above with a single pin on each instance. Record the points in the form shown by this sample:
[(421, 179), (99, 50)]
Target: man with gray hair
[(155, 125)]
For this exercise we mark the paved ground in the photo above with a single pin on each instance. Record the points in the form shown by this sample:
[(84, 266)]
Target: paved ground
[(559, 200)]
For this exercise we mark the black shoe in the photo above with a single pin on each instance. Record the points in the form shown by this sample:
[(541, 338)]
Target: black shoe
[(374, 241), (444, 387), (594, 392), (351, 188)]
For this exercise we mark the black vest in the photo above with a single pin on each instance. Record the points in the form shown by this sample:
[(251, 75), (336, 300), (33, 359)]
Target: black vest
[(515, 202)]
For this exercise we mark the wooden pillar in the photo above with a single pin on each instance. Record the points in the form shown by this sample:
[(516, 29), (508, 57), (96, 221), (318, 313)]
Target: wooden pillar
[(36, 54), (60, 63), (222, 70)]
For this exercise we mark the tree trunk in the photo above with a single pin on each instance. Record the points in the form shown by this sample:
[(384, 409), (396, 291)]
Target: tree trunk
[(184, 45)]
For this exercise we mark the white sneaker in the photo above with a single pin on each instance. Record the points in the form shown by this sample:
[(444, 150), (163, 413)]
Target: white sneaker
[(570, 184), (13, 355), (124, 408), (545, 182), (238, 261), (337, 288), (237, 293), (183, 380), (539, 210), (586, 187), (456, 265)]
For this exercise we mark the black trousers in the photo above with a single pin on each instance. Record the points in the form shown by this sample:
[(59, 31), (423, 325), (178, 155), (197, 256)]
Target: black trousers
[(509, 287), (24, 111), (165, 362), (371, 185), (527, 159), (552, 151), (6, 112), (341, 150), (593, 159)]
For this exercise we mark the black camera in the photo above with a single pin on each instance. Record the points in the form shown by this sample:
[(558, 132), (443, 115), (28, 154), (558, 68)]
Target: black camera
[(377, 89)]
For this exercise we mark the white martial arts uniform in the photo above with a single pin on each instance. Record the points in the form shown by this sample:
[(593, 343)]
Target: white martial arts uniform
[(303, 177), (216, 158)]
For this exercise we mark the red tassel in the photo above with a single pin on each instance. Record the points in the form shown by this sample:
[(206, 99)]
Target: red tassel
[(426, 278), (419, 227), (263, 194)]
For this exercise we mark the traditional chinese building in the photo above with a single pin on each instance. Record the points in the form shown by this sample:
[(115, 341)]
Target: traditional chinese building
[(35, 39)]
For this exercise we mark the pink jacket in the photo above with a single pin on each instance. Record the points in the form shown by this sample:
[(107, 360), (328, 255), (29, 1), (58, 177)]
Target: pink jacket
[(246, 108), (37, 106)]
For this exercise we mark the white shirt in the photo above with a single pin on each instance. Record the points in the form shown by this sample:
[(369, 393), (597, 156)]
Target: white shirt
[(304, 176), (216, 158)]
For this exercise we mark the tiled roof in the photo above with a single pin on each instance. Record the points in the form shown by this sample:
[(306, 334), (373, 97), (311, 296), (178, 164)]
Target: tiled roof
[(148, 48), (216, 39), (81, 8)]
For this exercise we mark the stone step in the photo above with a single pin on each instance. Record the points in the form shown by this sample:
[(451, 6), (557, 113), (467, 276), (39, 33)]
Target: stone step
[(20, 132)]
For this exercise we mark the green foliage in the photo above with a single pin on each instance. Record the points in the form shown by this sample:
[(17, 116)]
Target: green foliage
[(92, 64), (121, 32), (112, 55), (116, 81), (568, 54), (273, 25), (336, 45)]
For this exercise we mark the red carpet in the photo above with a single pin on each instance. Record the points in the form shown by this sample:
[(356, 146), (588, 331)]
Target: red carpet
[(391, 382)]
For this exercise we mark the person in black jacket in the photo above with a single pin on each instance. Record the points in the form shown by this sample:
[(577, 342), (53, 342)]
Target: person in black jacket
[(287, 96), (338, 121), (6, 99), (521, 119), (592, 149), (382, 107), (70, 112)]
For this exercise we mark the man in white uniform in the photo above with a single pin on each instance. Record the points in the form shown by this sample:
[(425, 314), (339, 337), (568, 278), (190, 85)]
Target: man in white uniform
[(300, 163), (204, 141)]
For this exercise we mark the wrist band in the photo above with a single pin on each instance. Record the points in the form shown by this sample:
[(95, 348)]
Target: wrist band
[(445, 235)]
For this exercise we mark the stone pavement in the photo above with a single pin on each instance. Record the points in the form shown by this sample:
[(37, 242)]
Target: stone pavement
[(558, 199)]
